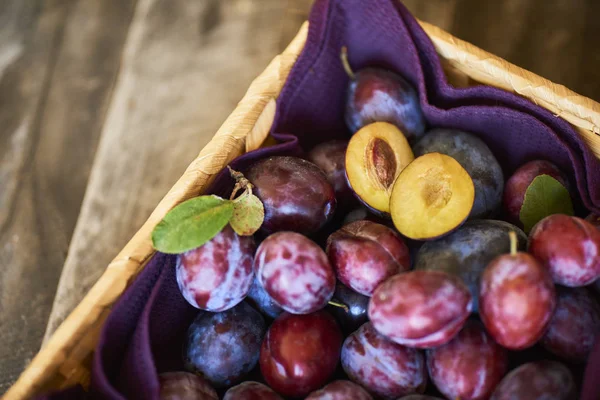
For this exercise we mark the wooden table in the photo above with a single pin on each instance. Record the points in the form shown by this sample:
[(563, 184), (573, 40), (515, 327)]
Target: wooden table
[(103, 103)]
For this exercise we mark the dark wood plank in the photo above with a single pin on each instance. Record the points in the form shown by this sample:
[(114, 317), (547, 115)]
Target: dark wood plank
[(555, 39), (185, 67), (53, 97)]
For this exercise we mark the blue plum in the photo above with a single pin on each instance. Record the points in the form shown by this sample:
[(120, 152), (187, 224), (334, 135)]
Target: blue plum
[(223, 347)]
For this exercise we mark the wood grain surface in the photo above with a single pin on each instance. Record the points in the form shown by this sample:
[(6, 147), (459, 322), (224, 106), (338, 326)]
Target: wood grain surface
[(104, 103)]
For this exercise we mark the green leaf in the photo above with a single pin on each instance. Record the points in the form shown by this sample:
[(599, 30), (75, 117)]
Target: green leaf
[(544, 196), (248, 214), (191, 224)]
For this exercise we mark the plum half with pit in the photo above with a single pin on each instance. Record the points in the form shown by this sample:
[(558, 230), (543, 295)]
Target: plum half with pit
[(340, 390), (537, 380), (182, 385), (575, 324), (295, 272), (516, 186), (224, 347), (295, 193), (385, 368), (432, 196), (376, 155), (330, 156), (420, 309), (476, 158), (469, 366), (569, 247), (377, 94), (300, 352), (516, 299), (251, 390), (364, 254), (468, 250), (217, 275)]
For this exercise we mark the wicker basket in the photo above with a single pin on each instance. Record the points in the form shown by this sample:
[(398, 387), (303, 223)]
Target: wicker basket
[(65, 359)]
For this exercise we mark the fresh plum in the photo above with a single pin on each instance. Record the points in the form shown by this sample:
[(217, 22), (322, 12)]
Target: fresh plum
[(516, 186), (295, 272), (376, 155), (537, 380), (355, 314), (330, 157), (385, 368), (569, 247), (376, 94), (516, 299), (184, 386), (476, 158), (300, 352), (467, 251), (364, 254), (340, 390), (217, 275), (223, 347), (420, 308), (295, 193), (251, 391), (574, 326), (432, 197), (419, 397), (260, 299), (469, 366)]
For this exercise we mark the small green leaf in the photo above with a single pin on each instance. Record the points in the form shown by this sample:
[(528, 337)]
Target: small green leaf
[(191, 224), (544, 196), (248, 214)]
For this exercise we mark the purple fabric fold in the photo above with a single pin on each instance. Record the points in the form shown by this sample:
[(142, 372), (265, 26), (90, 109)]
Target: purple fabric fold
[(143, 335)]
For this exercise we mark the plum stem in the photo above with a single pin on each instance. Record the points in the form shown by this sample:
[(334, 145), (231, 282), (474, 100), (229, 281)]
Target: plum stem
[(346, 63), (240, 183), (338, 304), (513, 242)]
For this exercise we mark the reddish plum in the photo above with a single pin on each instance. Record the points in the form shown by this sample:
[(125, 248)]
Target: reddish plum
[(260, 299), (355, 315), (295, 272), (574, 326), (516, 299), (537, 380), (420, 308), (223, 347), (365, 254), (469, 366), (300, 352), (376, 94), (184, 386), (517, 184), (419, 397), (331, 158), (385, 368), (217, 275), (340, 390), (251, 391), (295, 193), (569, 247)]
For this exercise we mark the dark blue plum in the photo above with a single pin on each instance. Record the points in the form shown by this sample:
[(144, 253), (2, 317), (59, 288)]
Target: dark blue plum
[(223, 347)]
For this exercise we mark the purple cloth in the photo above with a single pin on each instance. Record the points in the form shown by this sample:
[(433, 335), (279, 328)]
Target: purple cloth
[(143, 335)]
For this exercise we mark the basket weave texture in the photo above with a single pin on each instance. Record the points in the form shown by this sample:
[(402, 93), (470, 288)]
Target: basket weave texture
[(65, 359)]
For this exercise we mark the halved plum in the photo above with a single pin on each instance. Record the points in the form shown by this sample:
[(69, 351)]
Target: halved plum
[(431, 197), (375, 157)]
